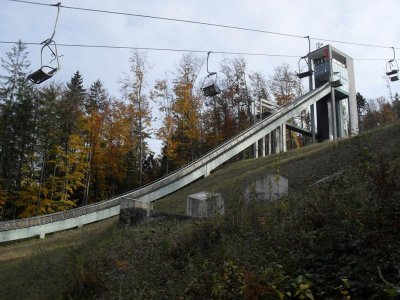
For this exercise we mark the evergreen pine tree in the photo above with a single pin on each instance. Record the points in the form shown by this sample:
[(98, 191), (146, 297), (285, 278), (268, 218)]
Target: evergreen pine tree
[(17, 123)]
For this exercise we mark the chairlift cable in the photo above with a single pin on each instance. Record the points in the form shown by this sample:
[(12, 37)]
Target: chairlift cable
[(351, 43), (179, 50), (157, 49), (207, 24), (162, 18)]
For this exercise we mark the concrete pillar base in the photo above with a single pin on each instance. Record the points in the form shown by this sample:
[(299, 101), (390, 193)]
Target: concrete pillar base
[(133, 211), (267, 187), (204, 205)]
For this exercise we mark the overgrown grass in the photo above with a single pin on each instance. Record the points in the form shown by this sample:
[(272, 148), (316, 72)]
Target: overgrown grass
[(302, 166), (324, 241)]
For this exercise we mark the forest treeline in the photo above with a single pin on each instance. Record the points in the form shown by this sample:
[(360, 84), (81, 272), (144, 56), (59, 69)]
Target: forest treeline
[(63, 144)]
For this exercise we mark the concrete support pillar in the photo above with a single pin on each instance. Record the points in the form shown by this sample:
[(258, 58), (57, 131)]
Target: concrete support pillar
[(255, 150), (283, 137), (340, 118), (277, 133), (333, 110), (312, 110), (353, 115), (263, 146), (312, 114), (206, 170), (269, 143), (329, 117)]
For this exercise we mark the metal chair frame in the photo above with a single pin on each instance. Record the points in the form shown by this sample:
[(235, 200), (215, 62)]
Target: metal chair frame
[(45, 72), (307, 73), (209, 85), (392, 68)]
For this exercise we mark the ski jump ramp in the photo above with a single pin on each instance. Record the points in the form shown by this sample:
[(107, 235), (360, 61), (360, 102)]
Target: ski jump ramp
[(42, 225)]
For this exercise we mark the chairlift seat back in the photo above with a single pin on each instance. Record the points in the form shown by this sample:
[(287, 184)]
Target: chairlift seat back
[(392, 72), (41, 75), (305, 74), (336, 83), (394, 78), (211, 90)]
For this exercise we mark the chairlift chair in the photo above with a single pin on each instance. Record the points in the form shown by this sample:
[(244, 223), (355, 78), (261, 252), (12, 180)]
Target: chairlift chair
[(46, 71), (209, 85), (307, 73), (335, 82), (392, 72), (392, 68)]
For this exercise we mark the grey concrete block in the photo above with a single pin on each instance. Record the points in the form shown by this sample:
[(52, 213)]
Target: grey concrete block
[(267, 187), (133, 212), (204, 204), (126, 203)]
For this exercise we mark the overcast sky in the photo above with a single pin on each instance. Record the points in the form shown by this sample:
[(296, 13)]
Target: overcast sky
[(360, 21)]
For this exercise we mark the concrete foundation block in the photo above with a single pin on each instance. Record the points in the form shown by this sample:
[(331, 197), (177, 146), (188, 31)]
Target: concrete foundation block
[(133, 203), (133, 212), (267, 187), (42, 235), (204, 205)]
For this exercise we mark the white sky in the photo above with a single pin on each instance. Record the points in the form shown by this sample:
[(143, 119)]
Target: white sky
[(360, 21)]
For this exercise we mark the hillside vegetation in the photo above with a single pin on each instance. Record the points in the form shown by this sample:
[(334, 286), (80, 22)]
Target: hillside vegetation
[(333, 239)]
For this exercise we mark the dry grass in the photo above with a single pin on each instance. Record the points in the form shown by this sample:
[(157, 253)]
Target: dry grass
[(302, 166)]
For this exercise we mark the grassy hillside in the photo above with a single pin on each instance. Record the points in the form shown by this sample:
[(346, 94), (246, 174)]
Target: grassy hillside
[(338, 239)]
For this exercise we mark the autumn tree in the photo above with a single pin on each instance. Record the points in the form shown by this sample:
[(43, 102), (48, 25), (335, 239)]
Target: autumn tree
[(133, 89), (118, 145), (237, 94), (285, 86), (94, 104), (186, 110), (71, 125), (162, 95), (379, 112), (258, 88), (69, 171)]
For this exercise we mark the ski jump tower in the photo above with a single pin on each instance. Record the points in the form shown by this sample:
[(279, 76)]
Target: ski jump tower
[(336, 112)]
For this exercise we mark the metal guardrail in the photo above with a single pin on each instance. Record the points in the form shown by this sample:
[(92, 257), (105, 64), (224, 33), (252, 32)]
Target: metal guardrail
[(166, 180), (59, 216)]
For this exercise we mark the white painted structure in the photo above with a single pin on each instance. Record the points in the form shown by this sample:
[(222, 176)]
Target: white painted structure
[(272, 125)]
